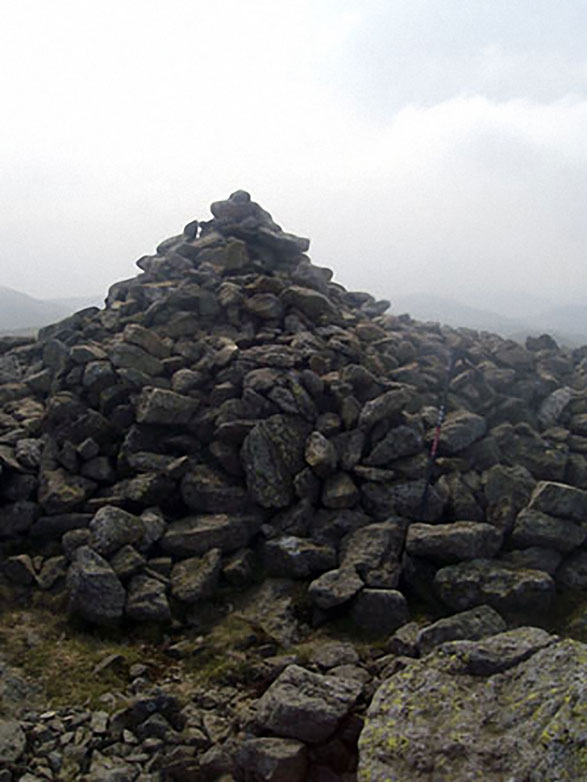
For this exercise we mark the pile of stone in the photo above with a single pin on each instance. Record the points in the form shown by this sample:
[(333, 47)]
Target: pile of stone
[(232, 413)]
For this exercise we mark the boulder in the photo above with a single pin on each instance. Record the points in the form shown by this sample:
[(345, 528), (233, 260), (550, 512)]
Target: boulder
[(480, 581), (518, 717), (379, 611), (459, 540), (196, 578), (95, 592), (306, 706), (335, 587), (534, 528), (558, 499), (471, 625), (111, 528), (197, 534)]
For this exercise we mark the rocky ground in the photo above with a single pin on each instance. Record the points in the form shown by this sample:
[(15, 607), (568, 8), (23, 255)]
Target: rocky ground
[(219, 559)]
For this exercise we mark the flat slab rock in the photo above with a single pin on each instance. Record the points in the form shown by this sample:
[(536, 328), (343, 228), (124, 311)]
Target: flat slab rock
[(479, 581), (521, 715), (306, 706)]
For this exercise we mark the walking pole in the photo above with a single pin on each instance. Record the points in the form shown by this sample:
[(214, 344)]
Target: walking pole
[(436, 439)]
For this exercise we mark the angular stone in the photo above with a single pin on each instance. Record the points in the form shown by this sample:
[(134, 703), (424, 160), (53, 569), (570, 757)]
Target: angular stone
[(273, 760), (17, 518), (340, 491), (472, 625), (399, 442), (572, 574), (558, 499), (272, 454), (383, 407), (379, 611), (145, 339), (111, 528), (374, 551), (533, 528), (313, 304), (196, 578), (306, 706), (460, 430), (160, 406), (293, 557), (480, 581), (320, 454), (95, 591), (61, 492), (198, 534), (335, 587), (147, 600), (510, 726), (206, 489), (12, 741), (533, 558), (459, 540), (125, 356)]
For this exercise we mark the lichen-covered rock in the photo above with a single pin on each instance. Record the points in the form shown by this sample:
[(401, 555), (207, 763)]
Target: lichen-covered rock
[(335, 587), (293, 557), (197, 534), (196, 578), (111, 528), (559, 499), (525, 720), (273, 760), (534, 528)]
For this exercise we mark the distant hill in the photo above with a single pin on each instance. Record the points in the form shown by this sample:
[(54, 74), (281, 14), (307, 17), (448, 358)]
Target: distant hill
[(21, 313), (567, 324)]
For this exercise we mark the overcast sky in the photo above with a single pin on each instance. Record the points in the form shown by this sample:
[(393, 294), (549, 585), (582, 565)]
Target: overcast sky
[(422, 145)]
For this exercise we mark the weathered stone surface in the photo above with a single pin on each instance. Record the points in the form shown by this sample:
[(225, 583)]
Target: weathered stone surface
[(313, 304), (379, 611), (95, 591), (480, 581), (399, 442), (335, 587), (525, 723), (471, 625), (459, 430), (306, 706), (558, 499), (198, 534), (374, 551), (572, 574), (196, 578), (459, 540), (293, 557), (383, 407), (167, 408), (147, 600), (273, 760), (320, 454), (111, 528), (206, 489), (12, 741), (533, 528), (61, 492), (272, 454), (17, 518), (340, 491)]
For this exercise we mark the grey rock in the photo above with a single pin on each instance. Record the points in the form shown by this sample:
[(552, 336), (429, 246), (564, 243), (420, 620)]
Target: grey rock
[(534, 528), (399, 442), (383, 407), (524, 723), (12, 741), (459, 540), (480, 581), (559, 499), (160, 406), (374, 551), (533, 558), (306, 706), (335, 587), (61, 492), (340, 491), (17, 518), (320, 454), (196, 578), (459, 430), (197, 534), (206, 489), (147, 600), (95, 591), (572, 574), (273, 760), (111, 528), (471, 625), (272, 454), (379, 611), (125, 356), (293, 557), (313, 304)]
